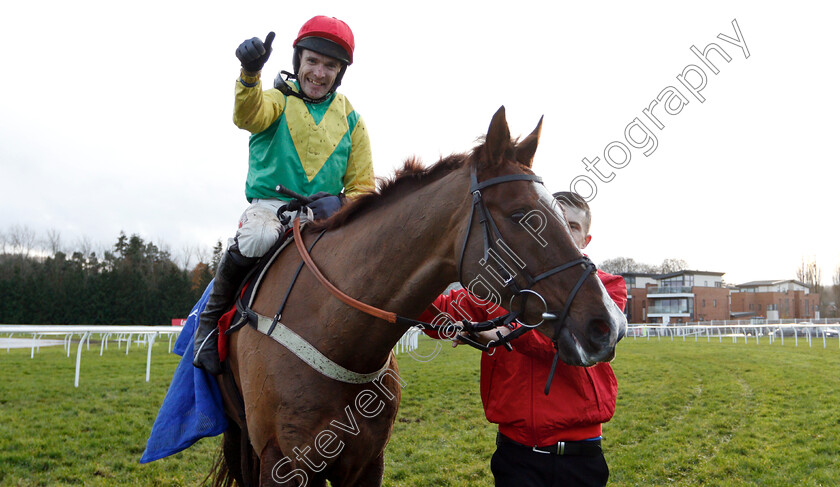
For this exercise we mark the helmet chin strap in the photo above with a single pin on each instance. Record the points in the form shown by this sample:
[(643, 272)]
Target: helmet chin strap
[(287, 90)]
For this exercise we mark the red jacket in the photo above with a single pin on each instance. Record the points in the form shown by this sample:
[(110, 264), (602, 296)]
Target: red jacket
[(513, 383)]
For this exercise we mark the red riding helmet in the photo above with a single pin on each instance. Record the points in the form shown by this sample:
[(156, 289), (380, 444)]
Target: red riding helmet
[(328, 36)]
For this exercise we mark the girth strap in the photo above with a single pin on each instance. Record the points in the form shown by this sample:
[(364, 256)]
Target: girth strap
[(311, 355)]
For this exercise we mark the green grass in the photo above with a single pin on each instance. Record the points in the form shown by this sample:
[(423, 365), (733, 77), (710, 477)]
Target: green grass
[(52, 433), (689, 414)]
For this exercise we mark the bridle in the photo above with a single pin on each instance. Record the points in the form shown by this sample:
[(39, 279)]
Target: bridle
[(493, 241)]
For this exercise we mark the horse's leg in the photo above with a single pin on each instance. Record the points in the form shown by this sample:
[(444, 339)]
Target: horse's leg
[(248, 460), (369, 476), (279, 469), (228, 467), (237, 442), (230, 450), (231, 444)]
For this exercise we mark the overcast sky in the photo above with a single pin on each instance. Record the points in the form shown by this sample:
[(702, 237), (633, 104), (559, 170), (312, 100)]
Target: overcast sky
[(118, 116)]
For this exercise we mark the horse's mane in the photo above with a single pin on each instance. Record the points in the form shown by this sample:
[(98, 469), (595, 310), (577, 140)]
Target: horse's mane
[(411, 175)]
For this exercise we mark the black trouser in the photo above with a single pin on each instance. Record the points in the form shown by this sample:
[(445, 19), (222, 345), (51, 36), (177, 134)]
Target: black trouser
[(515, 465)]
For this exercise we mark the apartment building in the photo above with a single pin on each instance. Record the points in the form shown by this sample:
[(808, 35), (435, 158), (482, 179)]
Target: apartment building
[(677, 297), (787, 299), (696, 296)]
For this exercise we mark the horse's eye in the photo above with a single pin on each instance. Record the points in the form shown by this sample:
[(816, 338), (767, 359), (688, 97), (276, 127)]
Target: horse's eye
[(517, 215)]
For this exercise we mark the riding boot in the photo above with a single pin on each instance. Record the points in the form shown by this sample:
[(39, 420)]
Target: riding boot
[(233, 267)]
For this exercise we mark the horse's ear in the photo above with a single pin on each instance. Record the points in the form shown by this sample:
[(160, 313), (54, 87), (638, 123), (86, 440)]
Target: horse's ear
[(525, 150), (497, 143)]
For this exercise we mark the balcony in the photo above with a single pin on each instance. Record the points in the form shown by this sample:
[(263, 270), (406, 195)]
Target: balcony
[(670, 292), (669, 310)]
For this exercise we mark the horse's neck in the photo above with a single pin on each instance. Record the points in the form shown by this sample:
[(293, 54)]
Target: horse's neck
[(404, 252), (397, 256)]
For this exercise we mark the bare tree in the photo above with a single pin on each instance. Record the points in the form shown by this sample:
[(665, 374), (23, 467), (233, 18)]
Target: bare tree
[(617, 265), (22, 239), (620, 265), (53, 241), (673, 265), (202, 253), (192, 255), (185, 256), (84, 246), (809, 273)]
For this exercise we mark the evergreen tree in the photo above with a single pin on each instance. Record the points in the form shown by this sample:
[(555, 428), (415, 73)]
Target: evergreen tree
[(134, 283)]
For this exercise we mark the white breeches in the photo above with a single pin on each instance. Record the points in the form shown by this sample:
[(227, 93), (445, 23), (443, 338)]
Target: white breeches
[(259, 228)]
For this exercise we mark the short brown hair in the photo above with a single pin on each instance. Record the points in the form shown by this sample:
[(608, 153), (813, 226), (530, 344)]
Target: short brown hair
[(574, 200)]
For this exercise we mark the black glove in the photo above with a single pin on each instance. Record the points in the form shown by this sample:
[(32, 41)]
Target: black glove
[(296, 204), (324, 206), (253, 53)]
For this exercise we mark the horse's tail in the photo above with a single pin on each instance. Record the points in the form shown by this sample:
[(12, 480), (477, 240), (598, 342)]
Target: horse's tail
[(235, 462), (220, 474)]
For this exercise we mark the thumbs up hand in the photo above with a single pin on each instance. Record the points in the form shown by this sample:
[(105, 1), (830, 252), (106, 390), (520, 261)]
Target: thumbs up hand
[(253, 53)]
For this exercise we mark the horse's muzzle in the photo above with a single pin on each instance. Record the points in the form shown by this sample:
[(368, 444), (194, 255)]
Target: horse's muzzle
[(601, 337)]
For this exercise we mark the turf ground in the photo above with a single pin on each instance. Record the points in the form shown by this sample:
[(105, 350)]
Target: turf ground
[(688, 414)]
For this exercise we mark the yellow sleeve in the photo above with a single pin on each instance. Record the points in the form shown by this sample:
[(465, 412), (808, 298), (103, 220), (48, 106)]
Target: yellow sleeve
[(255, 110), (358, 179)]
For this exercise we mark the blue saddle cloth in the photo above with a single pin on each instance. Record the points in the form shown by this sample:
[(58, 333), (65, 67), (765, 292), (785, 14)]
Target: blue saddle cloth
[(192, 408)]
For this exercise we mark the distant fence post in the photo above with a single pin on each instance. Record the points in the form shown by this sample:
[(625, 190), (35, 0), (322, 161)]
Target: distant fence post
[(79, 356)]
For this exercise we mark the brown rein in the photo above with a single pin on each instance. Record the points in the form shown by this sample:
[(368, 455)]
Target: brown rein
[(365, 308), (394, 318)]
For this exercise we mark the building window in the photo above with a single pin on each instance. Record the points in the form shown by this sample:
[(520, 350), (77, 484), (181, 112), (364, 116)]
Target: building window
[(759, 306), (714, 303), (751, 307), (704, 303)]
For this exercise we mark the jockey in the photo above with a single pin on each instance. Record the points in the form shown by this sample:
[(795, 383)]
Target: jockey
[(304, 136)]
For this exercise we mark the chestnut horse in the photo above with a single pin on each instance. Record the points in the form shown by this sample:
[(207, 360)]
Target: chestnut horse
[(398, 249)]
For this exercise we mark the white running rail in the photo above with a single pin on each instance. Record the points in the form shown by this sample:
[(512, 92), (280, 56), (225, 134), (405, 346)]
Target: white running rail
[(146, 334)]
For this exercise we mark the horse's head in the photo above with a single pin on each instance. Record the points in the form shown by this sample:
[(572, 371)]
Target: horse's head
[(518, 253)]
